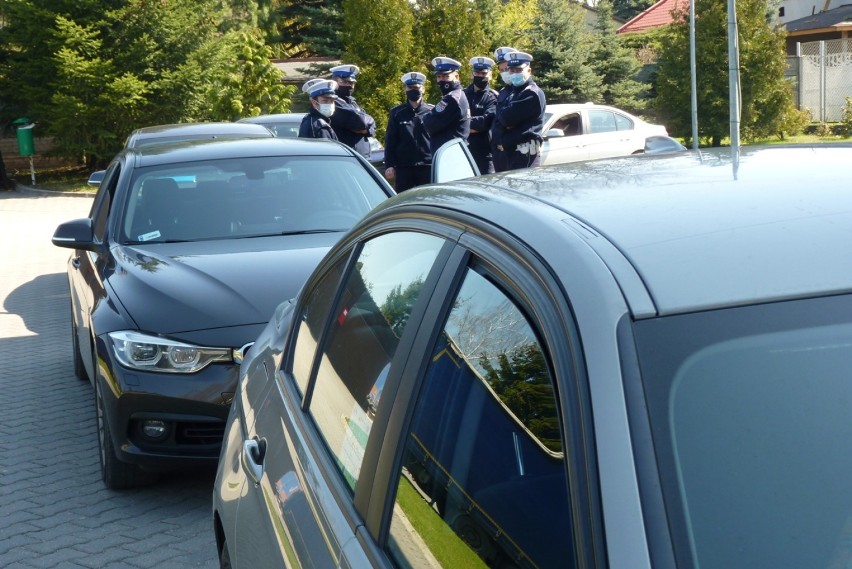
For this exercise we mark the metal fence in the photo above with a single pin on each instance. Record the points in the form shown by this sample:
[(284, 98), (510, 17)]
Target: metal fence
[(821, 74)]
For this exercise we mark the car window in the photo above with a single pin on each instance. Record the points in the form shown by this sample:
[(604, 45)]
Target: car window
[(483, 479), (365, 330), (453, 161), (622, 122), (601, 121), (285, 129), (248, 197), (103, 201), (569, 124), (749, 409)]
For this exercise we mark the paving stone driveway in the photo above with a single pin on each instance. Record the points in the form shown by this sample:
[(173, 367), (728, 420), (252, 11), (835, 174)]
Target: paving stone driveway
[(54, 510)]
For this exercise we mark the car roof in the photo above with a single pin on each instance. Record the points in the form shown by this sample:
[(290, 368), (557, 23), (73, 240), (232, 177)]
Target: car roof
[(206, 149), (698, 232), (281, 117), (196, 130)]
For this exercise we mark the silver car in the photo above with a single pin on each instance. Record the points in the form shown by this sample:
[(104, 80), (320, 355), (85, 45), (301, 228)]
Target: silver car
[(631, 363)]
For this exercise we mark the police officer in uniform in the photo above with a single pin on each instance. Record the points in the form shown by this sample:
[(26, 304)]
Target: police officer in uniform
[(516, 131), (316, 123), (451, 116), (483, 104), (408, 155), (498, 156), (350, 122)]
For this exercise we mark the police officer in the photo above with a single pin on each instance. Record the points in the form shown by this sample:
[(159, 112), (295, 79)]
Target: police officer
[(498, 156), (315, 124), (350, 122), (516, 131), (408, 156), (451, 116), (483, 104)]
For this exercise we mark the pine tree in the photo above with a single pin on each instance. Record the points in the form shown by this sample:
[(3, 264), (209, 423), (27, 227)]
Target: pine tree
[(309, 28), (615, 64)]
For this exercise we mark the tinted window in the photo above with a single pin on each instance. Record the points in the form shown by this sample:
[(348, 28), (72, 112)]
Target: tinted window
[(248, 197), (483, 480), (365, 330), (750, 410)]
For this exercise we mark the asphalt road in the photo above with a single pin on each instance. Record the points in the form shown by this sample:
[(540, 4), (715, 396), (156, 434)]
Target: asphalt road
[(54, 510)]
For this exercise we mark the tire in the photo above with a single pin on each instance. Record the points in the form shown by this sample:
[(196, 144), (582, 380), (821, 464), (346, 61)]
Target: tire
[(225, 557), (79, 367), (116, 475)]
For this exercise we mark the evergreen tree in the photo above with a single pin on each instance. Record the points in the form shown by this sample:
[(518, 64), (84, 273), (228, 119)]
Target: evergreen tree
[(561, 54), (627, 9), (382, 52), (615, 64), (766, 95), (310, 28)]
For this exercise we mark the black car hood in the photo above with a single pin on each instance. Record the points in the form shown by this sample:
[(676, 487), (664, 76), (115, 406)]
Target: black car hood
[(185, 287)]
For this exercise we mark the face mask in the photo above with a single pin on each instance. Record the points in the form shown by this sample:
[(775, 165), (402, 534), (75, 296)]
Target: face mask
[(413, 95), (446, 86), (326, 109), (517, 79), (480, 82), (344, 90), (504, 75)]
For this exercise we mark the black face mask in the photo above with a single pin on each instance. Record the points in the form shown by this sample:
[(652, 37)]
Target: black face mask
[(447, 86), (413, 95), (481, 82), (344, 90)]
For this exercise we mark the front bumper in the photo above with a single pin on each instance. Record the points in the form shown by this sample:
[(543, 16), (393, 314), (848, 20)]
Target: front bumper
[(193, 407)]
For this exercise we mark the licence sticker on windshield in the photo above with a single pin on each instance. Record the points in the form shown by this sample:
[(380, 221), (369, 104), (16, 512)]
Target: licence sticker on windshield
[(149, 236)]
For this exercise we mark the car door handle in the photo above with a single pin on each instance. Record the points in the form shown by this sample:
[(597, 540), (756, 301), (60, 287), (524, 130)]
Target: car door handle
[(254, 454)]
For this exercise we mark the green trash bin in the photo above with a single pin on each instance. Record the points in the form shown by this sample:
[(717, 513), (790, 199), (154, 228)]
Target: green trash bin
[(24, 130)]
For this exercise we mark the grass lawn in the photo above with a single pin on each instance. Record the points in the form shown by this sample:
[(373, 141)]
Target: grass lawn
[(64, 179)]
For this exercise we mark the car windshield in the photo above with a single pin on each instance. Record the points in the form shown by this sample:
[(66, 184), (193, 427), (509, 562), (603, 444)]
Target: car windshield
[(247, 197), (750, 414), (288, 129)]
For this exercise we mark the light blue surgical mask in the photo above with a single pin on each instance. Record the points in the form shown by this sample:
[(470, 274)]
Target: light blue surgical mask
[(505, 75), (326, 109), (517, 79)]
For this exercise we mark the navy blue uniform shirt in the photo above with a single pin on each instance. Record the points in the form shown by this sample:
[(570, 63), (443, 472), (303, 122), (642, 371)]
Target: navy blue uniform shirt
[(483, 106), (406, 141), (316, 125), (347, 120), (449, 119), (519, 117)]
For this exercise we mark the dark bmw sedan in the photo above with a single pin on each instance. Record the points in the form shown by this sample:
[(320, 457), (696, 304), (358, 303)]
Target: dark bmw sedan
[(634, 363), (187, 250)]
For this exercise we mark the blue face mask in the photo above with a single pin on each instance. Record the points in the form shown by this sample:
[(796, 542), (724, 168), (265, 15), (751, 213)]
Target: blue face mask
[(517, 79)]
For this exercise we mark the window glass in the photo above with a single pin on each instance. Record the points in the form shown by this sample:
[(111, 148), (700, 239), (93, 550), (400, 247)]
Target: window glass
[(311, 321), (622, 122), (248, 197), (376, 302), (103, 201), (750, 413), (601, 121), (483, 477)]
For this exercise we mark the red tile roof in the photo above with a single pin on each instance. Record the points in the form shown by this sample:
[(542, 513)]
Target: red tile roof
[(660, 14)]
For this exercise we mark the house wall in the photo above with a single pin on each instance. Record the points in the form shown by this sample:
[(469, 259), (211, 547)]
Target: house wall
[(795, 9)]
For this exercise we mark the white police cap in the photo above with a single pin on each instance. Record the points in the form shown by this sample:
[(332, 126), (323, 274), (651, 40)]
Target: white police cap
[(481, 63), (413, 78), (318, 87), (445, 65), (500, 53), (518, 59), (349, 72)]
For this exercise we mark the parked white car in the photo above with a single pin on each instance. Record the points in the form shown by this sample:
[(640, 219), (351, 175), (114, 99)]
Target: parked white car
[(574, 132)]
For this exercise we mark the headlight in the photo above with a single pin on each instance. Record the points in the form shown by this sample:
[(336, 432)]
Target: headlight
[(151, 353)]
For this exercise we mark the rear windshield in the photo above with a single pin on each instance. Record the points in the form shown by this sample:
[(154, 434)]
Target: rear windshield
[(248, 197), (751, 414)]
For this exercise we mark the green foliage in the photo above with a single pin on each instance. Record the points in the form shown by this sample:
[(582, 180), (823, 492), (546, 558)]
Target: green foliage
[(303, 28), (846, 123), (615, 64), (562, 51), (509, 23), (627, 9), (382, 57), (766, 95)]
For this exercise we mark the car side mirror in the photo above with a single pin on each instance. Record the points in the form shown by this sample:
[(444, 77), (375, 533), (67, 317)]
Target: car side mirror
[(96, 178), (75, 234), (453, 161), (555, 133)]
